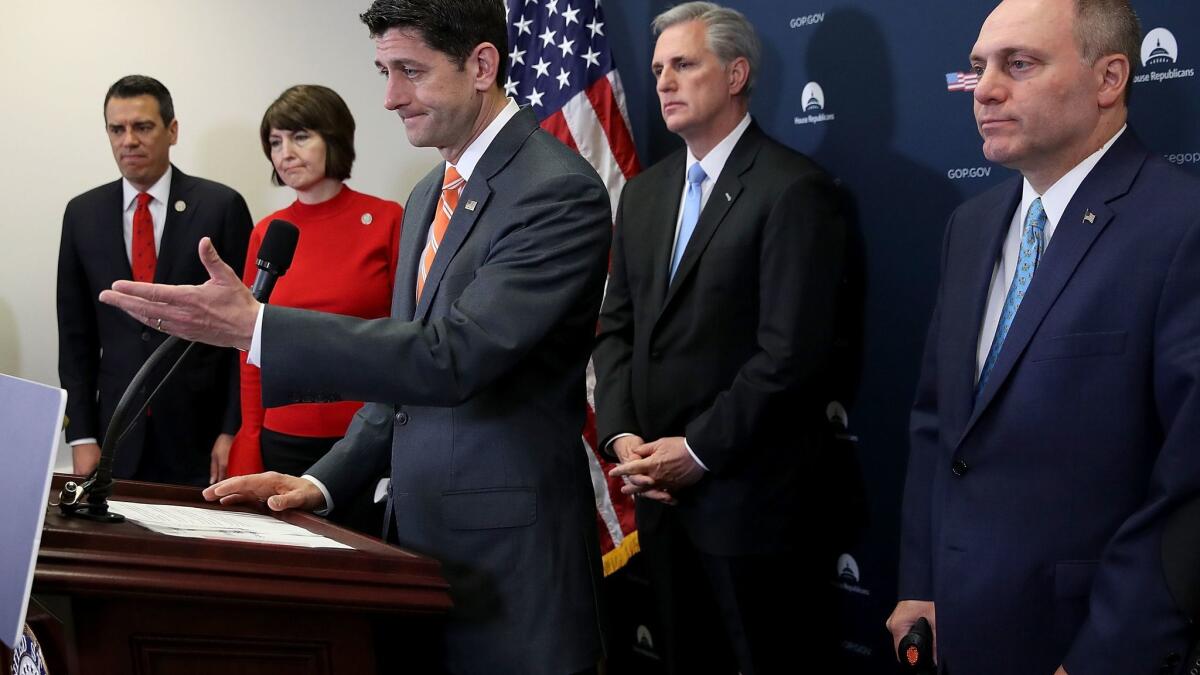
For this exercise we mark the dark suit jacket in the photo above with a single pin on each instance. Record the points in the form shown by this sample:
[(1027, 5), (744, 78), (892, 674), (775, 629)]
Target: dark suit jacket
[(100, 347), (732, 353), (1034, 518), (480, 397)]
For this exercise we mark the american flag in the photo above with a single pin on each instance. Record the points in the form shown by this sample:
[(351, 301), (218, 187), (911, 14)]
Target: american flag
[(961, 81), (560, 64)]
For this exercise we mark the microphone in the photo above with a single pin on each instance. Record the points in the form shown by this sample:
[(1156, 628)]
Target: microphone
[(916, 649), (89, 499), (274, 257)]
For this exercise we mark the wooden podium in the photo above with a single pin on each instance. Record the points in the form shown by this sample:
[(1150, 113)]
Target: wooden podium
[(133, 601)]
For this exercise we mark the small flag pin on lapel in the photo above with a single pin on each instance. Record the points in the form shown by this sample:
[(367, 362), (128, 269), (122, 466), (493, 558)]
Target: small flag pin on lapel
[(471, 205), (180, 206), (1088, 216)]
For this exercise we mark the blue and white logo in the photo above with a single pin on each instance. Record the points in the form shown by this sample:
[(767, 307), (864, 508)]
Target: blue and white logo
[(848, 576), (1159, 47), (1160, 53), (27, 656), (848, 568), (812, 99)]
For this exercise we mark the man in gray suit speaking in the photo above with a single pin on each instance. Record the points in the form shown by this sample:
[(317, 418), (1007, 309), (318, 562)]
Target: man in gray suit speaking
[(478, 377)]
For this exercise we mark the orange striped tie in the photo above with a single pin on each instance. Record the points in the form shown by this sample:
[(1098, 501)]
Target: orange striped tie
[(452, 186)]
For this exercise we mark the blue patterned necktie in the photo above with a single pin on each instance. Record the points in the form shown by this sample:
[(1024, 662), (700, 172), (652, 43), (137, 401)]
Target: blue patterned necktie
[(1033, 242), (691, 213)]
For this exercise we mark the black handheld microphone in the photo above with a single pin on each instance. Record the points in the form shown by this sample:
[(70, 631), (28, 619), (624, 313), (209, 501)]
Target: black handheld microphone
[(274, 257), (89, 499), (916, 649)]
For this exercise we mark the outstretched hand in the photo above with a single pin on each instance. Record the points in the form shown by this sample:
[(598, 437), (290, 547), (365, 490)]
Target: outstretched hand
[(220, 312)]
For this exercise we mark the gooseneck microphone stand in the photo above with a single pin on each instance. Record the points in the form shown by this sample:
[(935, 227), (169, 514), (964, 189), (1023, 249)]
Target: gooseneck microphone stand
[(89, 499)]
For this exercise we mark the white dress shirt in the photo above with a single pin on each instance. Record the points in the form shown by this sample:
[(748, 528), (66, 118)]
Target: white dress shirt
[(1054, 202)]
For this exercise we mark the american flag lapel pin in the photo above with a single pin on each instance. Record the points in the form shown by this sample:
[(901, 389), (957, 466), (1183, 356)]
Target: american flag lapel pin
[(471, 205), (1088, 216)]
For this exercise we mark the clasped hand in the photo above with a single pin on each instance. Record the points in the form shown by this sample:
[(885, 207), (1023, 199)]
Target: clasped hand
[(657, 469)]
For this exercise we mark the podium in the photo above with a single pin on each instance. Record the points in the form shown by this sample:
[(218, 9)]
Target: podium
[(123, 599)]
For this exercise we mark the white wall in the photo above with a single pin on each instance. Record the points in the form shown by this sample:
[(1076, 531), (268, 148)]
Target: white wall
[(224, 62)]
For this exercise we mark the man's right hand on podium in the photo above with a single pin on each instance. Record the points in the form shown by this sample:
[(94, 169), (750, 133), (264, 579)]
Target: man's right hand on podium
[(280, 491)]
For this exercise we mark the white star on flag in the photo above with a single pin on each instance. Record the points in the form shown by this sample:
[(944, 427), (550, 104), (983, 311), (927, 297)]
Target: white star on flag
[(596, 27), (563, 77), (592, 57), (569, 14), (566, 47)]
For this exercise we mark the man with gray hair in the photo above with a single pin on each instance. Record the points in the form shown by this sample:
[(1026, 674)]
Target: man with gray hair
[(711, 360)]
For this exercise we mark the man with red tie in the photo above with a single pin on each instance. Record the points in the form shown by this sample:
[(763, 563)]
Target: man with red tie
[(146, 227)]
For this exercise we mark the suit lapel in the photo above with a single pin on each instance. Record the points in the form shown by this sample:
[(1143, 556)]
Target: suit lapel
[(175, 227), (661, 218), (418, 216), (723, 196), (968, 297), (1073, 236), (474, 199), (111, 235)]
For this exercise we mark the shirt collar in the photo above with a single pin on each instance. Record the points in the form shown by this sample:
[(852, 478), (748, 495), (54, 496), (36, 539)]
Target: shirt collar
[(474, 152), (715, 160), (1058, 196), (160, 191)]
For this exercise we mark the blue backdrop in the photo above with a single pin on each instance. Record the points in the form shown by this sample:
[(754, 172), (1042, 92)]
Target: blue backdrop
[(882, 119)]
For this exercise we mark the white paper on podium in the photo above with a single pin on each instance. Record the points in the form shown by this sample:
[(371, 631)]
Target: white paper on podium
[(191, 521)]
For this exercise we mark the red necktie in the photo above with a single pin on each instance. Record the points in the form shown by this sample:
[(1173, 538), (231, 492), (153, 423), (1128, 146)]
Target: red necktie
[(452, 186), (144, 258)]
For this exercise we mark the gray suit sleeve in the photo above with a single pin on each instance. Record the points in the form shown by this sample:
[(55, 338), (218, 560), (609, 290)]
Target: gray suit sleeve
[(541, 263), (360, 457)]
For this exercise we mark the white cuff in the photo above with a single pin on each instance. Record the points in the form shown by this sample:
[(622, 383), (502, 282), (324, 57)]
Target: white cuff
[(254, 356), (609, 448), (81, 441), (693, 454), (325, 491)]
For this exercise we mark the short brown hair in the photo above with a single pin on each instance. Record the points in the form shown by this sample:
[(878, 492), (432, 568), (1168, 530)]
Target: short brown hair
[(1104, 27), (318, 109)]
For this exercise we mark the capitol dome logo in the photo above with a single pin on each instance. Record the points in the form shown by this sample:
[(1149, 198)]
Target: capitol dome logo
[(1160, 56), (1159, 47), (848, 569), (849, 578), (813, 97)]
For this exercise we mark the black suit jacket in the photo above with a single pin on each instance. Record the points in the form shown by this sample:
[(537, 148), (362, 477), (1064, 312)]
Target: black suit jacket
[(101, 347), (479, 400), (732, 353)]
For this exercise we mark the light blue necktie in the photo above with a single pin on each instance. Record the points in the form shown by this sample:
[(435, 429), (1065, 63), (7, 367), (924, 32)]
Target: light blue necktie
[(691, 213), (1033, 242)]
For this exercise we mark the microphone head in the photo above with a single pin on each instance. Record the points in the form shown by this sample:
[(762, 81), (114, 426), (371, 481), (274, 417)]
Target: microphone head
[(278, 247)]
